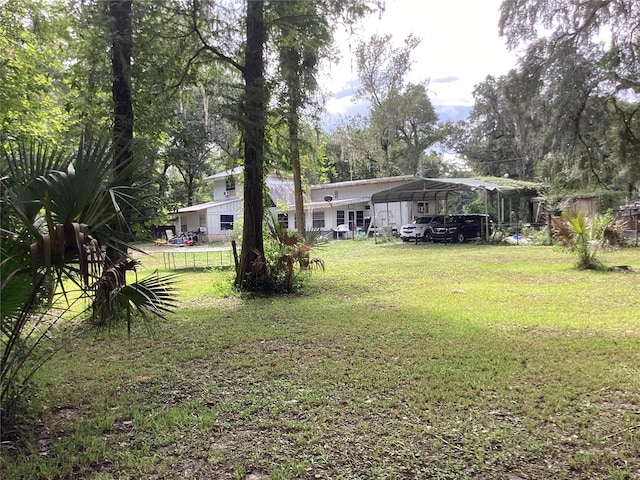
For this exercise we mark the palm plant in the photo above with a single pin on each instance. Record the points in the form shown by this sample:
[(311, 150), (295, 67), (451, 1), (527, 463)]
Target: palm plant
[(284, 250), (60, 213), (582, 236)]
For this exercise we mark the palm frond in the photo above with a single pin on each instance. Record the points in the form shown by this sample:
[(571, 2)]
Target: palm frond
[(155, 294), (23, 164)]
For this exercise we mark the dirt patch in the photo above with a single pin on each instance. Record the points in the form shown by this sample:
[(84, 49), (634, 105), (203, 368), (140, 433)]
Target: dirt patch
[(54, 426)]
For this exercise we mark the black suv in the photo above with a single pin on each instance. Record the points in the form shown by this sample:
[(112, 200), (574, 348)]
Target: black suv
[(458, 228)]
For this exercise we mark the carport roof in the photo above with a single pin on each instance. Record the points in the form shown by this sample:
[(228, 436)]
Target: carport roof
[(423, 189)]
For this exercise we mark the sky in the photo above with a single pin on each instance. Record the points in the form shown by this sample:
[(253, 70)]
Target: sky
[(460, 47)]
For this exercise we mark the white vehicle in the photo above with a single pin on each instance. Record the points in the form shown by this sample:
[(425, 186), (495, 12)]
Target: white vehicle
[(419, 229)]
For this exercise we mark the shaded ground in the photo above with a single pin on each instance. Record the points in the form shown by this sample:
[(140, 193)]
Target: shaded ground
[(356, 380)]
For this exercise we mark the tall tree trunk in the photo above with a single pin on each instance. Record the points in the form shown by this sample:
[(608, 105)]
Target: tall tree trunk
[(191, 181), (297, 171), (254, 118), (384, 144), (120, 11), (291, 58)]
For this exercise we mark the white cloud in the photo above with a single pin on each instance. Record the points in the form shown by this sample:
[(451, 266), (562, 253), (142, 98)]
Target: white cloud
[(460, 47)]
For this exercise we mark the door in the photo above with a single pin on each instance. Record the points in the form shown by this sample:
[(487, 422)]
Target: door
[(352, 220)]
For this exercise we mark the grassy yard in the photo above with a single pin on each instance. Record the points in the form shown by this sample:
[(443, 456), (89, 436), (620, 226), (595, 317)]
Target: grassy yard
[(399, 361)]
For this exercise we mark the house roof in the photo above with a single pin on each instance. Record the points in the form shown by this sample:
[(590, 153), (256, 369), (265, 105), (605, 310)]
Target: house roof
[(227, 173), (423, 189), (204, 206), (281, 191), (368, 181)]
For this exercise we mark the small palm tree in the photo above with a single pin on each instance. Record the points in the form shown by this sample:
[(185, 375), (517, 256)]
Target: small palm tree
[(60, 213), (581, 240), (288, 249)]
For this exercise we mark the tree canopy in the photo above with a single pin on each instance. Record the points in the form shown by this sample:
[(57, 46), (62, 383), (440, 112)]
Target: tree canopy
[(568, 113)]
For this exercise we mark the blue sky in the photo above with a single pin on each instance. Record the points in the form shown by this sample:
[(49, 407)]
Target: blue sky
[(460, 47)]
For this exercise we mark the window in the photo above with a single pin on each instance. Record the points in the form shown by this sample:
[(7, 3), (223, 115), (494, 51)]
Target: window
[(203, 220), (339, 217), (226, 222), (230, 184), (360, 218), (423, 207), (318, 219), (283, 219)]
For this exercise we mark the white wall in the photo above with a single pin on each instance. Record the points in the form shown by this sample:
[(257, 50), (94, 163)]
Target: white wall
[(356, 188), (220, 188)]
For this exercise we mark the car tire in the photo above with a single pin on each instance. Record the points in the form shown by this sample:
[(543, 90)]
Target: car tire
[(426, 237), (460, 237)]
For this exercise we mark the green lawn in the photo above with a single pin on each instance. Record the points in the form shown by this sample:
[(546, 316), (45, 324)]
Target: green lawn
[(399, 361)]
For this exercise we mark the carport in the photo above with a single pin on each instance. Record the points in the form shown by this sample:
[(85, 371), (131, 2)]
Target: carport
[(435, 189)]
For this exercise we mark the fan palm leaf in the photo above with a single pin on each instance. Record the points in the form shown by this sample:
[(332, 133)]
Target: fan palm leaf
[(59, 213)]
